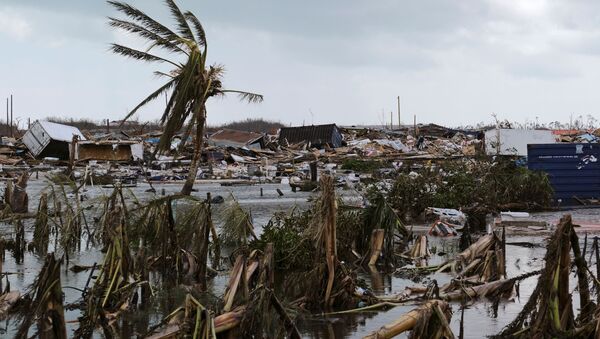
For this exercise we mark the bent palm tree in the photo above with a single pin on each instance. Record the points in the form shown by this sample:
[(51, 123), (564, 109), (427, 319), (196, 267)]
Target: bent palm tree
[(190, 83)]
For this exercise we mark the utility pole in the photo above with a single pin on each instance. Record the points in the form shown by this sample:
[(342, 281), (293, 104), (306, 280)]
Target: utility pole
[(391, 120), (7, 116), (11, 116), (399, 121), (415, 124)]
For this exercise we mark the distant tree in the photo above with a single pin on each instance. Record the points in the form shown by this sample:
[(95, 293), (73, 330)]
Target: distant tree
[(252, 125), (190, 84)]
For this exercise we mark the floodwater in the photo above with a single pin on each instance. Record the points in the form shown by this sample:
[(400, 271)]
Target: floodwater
[(481, 317)]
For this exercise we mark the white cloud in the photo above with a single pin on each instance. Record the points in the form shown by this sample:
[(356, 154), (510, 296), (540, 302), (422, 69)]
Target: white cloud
[(14, 25)]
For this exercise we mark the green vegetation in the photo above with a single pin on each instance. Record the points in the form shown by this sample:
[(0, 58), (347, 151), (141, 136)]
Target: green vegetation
[(363, 166), (491, 185)]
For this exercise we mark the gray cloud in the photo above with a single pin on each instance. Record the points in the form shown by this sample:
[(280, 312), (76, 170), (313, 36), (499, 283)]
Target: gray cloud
[(343, 60)]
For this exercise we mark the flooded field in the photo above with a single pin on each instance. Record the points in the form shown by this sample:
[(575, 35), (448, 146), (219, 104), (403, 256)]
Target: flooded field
[(481, 317)]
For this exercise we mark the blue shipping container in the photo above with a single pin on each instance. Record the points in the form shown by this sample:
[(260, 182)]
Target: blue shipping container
[(573, 169)]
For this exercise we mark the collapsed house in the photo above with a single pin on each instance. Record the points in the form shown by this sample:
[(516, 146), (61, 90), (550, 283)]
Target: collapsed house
[(109, 150), (317, 136), (234, 138), (49, 139)]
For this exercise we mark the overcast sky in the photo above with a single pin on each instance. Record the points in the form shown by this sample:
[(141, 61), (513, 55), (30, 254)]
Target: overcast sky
[(345, 61)]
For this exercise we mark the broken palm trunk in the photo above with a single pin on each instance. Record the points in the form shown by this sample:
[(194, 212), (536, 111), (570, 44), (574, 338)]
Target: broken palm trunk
[(194, 320), (264, 307), (329, 283), (41, 232), (430, 320), (380, 230), (481, 262), (7, 301), (549, 310), (47, 304), (16, 196), (377, 238), (419, 251)]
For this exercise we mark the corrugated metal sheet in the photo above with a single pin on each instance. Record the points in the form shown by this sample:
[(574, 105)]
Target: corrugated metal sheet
[(573, 169), (36, 139), (316, 135), (515, 141)]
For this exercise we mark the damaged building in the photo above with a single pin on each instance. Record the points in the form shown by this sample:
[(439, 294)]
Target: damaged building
[(49, 139), (109, 150), (234, 138), (315, 135)]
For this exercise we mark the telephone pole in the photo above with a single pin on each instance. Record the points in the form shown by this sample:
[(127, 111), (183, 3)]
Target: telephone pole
[(399, 121)]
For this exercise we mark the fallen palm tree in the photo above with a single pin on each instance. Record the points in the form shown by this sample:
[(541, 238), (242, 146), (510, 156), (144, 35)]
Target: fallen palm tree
[(495, 289), (195, 321), (483, 260), (46, 305), (430, 320), (115, 287), (549, 310)]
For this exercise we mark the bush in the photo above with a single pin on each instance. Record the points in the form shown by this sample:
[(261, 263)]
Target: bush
[(461, 183), (363, 166)]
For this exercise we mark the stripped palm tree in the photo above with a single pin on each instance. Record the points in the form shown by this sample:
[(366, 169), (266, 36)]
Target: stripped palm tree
[(190, 84)]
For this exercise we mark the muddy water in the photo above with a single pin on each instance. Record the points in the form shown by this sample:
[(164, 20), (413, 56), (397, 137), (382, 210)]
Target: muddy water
[(481, 318)]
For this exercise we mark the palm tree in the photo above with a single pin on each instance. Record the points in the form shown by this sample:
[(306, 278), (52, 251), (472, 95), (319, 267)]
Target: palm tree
[(189, 84)]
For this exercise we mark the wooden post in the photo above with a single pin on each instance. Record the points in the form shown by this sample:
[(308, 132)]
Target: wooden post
[(72, 153), (313, 171)]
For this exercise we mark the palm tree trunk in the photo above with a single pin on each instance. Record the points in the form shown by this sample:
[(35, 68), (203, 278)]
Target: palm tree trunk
[(198, 141)]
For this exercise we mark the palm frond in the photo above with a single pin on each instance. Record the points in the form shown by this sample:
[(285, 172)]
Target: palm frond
[(160, 74), (145, 33), (139, 55), (246, 96), (182, 25), (216, 72), (164, 88), (145, 20), (200, 34)]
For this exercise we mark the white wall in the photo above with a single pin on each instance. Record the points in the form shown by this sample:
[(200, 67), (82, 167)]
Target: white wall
[(515, 141)]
